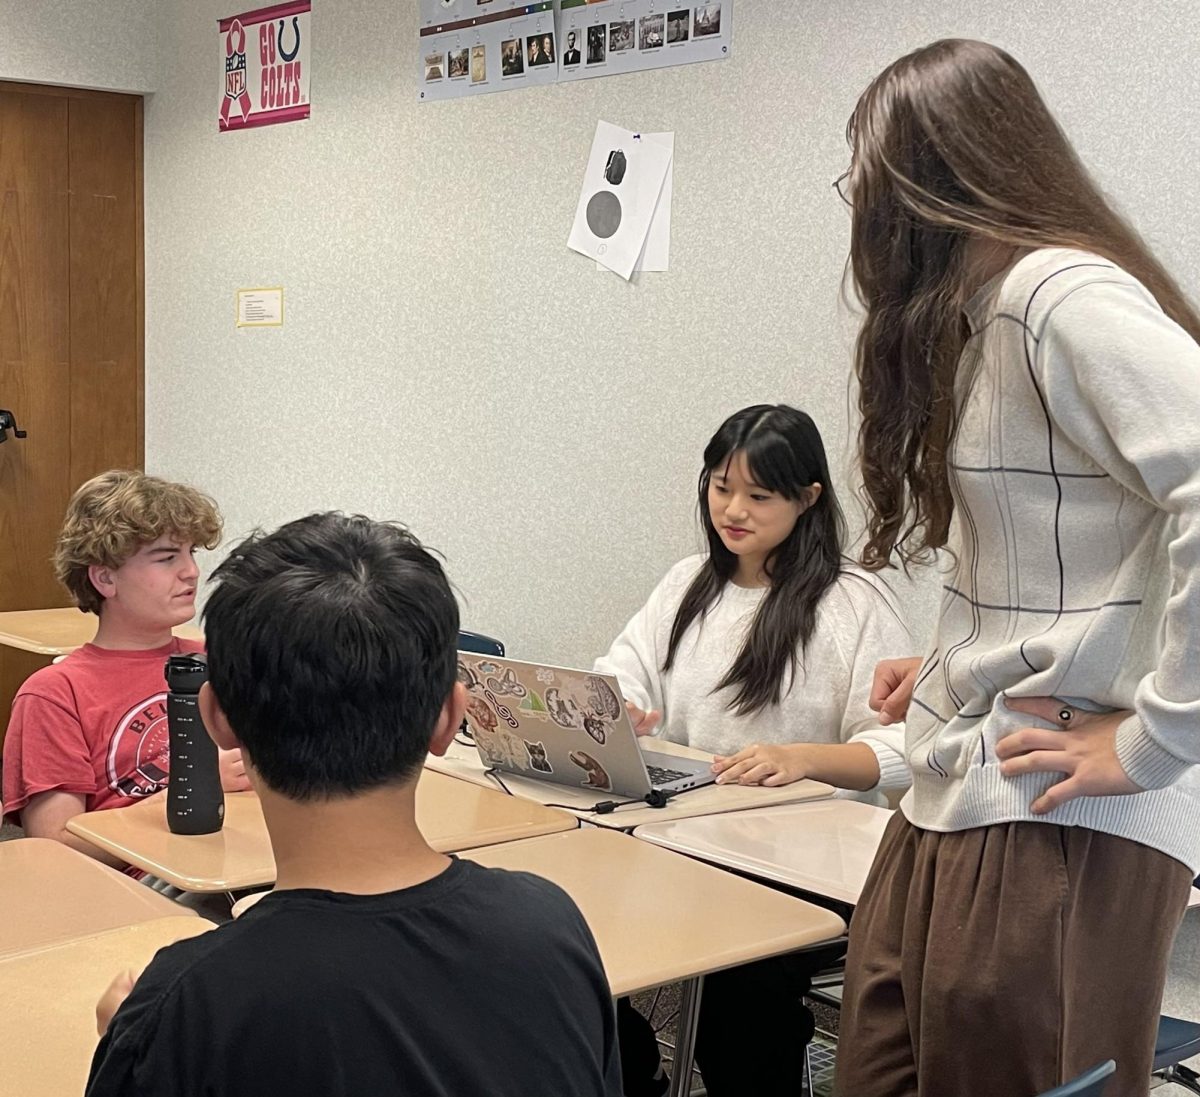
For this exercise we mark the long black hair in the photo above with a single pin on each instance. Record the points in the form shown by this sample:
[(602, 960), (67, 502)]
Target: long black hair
[(785, 454)]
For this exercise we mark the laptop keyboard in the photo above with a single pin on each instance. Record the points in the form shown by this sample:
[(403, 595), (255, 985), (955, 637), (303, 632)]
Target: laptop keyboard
[(661, 776)]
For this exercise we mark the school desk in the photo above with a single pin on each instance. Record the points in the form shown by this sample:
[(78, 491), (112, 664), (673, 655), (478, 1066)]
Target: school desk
[(660, 918), (49, 1030), (54, 632), (453, 815), (50, 893), (464, 762), (825, 847)]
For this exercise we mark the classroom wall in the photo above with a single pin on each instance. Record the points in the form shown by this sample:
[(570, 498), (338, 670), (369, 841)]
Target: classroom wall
[(109, 45), (447, 361)]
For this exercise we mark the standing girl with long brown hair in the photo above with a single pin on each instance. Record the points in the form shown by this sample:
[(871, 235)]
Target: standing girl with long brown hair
[(1030, 394)]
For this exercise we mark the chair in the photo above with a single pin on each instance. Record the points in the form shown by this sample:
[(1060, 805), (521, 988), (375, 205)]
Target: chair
[(1090, 1083), (1177, 1040), (246, 902), (479, 644)]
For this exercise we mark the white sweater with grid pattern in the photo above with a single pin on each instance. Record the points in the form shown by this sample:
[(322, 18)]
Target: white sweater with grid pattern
[(1076, 549)]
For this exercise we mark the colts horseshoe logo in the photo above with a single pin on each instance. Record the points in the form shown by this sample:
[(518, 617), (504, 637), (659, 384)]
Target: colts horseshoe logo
[(295, 39)]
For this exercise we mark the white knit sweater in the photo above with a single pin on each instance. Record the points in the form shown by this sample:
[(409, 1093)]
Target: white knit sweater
[(857, 625), (1076, 541)]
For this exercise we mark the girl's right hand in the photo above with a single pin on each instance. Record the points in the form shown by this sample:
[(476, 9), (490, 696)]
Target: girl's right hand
[(643, 722), (892, 688), (763, 765)]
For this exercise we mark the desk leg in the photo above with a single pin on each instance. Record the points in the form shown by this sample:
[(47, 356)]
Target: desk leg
[(685, 1037)]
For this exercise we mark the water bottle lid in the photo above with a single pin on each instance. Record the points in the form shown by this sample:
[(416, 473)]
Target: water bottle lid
[(186, 672)]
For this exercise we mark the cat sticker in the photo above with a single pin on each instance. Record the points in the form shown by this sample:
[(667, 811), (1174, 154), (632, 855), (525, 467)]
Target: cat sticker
[(537, 757)]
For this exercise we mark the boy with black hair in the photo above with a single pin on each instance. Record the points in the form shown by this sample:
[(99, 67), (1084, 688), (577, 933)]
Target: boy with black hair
[(376, 965)]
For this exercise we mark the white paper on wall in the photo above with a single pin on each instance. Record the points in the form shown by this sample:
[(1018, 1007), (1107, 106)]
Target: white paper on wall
[(656, 253), (621, 188)]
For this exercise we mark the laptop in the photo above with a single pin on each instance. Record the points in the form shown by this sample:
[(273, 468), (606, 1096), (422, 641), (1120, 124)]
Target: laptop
[(568, 727)]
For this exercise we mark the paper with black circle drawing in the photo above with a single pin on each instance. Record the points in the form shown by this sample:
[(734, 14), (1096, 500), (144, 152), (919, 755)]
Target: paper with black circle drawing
[(656, 251), (612, 219)]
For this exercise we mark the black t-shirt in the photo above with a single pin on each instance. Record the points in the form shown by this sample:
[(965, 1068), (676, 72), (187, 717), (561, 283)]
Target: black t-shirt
[(479, 981)]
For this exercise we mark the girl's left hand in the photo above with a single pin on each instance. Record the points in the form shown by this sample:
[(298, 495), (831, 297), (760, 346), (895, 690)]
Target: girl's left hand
[(762, 765), (1085, 750)]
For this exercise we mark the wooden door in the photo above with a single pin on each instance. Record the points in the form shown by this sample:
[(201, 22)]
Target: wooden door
[(35, 343), (71, 327)]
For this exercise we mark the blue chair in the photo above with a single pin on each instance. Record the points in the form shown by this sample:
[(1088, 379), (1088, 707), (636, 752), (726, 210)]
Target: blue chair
[(1177, 1040), (1089, 1084), (479, 644)]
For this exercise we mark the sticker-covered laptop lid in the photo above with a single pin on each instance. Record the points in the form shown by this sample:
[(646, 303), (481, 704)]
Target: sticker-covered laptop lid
[(552, 723)]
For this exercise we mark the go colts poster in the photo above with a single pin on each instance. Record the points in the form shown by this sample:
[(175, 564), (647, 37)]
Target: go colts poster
[(264, 66)]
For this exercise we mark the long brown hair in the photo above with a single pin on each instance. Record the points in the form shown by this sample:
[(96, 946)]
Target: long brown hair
[(950, 143)]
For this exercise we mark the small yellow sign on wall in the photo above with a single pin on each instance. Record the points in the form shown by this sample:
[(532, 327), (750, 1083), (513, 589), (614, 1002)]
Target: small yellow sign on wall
[(261, 307)]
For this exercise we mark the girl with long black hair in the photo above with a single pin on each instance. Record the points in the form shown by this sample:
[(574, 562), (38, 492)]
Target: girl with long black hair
[(762, 651)]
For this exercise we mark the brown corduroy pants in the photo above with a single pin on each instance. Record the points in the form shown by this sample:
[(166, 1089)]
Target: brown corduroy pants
[(1004, 960)]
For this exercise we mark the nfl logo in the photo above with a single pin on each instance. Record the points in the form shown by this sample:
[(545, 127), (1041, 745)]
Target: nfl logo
[(235, 75)]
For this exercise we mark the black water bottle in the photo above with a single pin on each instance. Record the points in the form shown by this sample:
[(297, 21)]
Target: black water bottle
[(195, 802)]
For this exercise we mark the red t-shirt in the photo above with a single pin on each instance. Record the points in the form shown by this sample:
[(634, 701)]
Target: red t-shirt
[(94, 724)]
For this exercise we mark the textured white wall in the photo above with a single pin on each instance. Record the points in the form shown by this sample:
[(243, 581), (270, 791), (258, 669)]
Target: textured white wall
[(110, 45), (447, 361)]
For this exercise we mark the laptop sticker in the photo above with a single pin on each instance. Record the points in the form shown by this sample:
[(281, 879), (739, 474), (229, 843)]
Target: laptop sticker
[(502, 710), (596, 776), (508, 685), (467, 676), (596, 728), (533, 703), (604, 700), (564, 712), (482, 714), (537, 756)]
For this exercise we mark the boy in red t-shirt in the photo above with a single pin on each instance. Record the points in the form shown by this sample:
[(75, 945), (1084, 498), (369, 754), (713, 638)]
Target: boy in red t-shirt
[(90, 732)]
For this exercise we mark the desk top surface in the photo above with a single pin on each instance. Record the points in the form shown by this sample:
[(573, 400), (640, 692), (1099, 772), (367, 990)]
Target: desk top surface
[(658, 917), (59, 631), (49, 1030), (453, 815), (464, 762), (824, 847), (49, 893)]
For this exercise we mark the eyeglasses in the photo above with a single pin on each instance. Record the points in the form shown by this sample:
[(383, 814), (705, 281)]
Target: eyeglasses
[(839, 184)]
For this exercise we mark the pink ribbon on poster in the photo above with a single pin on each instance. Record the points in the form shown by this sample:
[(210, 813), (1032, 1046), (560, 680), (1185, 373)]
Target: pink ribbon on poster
[(236, 90)]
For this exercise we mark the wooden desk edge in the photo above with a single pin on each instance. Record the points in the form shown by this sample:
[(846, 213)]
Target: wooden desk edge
[(676, 973), (20, 643)]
